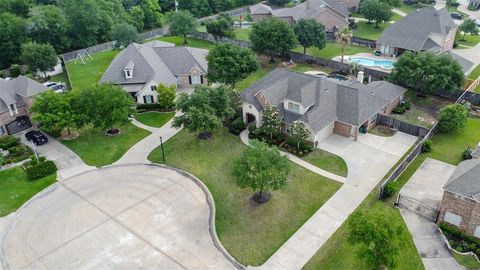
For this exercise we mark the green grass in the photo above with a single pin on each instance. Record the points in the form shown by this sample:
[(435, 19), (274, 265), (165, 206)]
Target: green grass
[(332, 49), (154, 119), (191, 42), (84, 75), (470, 40), (202, 28), (466, 260), (408, 8), (251, 233), (16, 189), (97, 149), (300, 67), (327, 161), (369, 31), (62, 77), (243, 34), (475, 73), (395, 16)]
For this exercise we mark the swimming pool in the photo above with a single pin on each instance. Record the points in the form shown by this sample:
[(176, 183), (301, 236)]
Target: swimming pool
[(368, 62)]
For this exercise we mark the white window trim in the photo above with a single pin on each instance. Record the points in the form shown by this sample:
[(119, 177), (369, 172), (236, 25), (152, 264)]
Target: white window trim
[(196, 79)]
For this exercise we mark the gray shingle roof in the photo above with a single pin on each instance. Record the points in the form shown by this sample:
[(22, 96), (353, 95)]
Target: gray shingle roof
[(260, 9), (465, 180), (412, 31), (347, 101), (464, 63), (306, 10), (12, 90)]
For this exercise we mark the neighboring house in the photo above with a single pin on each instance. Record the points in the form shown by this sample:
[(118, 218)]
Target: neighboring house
[(461, 198), (425, 29), (16, 97), (326, 105), (474, 4), (333, 14), (139, 68)]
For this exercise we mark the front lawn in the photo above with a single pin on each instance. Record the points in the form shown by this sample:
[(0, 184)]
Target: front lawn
[(243, 34), (250, 232), (470, 40), (327, 161), (154, 119), (332, 50), (97, 149), (369, 31), (16, 189), (466, 260), (84, 75)]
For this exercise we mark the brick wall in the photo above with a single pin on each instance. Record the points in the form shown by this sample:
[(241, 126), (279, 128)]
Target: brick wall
[(468, 209), (331, 20), (389, 108)]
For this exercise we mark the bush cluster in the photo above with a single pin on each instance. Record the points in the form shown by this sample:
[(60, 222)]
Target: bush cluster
[(236, 126), (17, 153), (258, 133), (402, 107), (390, 189), (291, 147), (40, 170), (7, 142), (427, 146), (151, 107), (459, 240)]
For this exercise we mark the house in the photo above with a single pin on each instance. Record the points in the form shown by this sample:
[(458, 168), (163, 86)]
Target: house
[(461, 198), (474, 4), (325, 105), (425, 29), (333, 14), (16, 97), (139, 68)]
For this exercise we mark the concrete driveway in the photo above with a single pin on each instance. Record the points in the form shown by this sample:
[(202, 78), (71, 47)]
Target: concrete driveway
[(118, 217), (425, 186)]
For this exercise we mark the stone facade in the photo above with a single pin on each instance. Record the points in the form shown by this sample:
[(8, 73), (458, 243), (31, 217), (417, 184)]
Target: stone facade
[(467, 208)]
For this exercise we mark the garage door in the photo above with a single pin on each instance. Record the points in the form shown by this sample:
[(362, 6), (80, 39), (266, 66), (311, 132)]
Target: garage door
[(19, 124), (342, 129)]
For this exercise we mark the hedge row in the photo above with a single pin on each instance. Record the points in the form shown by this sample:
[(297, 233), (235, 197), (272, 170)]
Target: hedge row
[(41, 170)]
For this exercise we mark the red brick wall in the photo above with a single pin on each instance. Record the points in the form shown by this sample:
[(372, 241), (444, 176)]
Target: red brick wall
[(468, 209)]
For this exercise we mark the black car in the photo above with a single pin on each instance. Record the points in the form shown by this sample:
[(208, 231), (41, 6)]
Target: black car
[(37, 137), (456, 16)]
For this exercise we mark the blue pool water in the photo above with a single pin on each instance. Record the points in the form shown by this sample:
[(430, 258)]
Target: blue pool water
[(386, 64)]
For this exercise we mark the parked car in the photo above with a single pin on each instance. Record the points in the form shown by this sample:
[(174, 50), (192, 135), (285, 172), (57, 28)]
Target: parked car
[(456, 16), (37, 137), (58, 87)]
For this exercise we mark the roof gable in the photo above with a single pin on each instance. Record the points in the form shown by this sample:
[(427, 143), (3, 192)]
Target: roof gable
[(465, 180)]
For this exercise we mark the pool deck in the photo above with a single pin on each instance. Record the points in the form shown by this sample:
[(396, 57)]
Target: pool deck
[(367, 55)]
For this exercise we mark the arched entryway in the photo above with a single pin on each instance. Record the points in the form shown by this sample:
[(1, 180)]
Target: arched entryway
[(250, 119)]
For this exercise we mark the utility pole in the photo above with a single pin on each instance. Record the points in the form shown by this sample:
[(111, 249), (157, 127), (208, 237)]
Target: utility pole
[(34, 150), (163, 151)]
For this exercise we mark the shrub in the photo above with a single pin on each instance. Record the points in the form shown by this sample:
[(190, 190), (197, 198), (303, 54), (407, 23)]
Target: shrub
[(467, 154), (399, 110), (451, 243), (7, 142), (149, 107), (41, 170), (477, 251), (453, 118), (15, 71), (406, 104), (390, 189), (251, 128), (427, 146), (236, 126), (459, 249)]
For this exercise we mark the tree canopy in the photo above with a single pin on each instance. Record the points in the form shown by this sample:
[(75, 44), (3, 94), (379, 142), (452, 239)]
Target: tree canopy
[(261, 168), (271, 122), (229, 63), (469, 26), (272, 36), (166, 95), (299, 132), (376, 10), (182, 23), (310, 33), (124, 34), (344, 38), (220, 27), (427, 72), (39, 57), (453, 118)]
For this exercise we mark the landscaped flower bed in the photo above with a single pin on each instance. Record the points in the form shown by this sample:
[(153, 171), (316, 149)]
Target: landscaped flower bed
[(459, 241), (281, 140), (16, 151)]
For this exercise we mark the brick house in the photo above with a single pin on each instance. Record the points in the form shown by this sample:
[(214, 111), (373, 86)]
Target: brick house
[(461, 198), (333, 14), (325, 105), (16, 97), (139, 68)]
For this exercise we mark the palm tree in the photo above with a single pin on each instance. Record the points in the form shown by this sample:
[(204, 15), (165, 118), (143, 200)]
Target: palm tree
[(344, 38)]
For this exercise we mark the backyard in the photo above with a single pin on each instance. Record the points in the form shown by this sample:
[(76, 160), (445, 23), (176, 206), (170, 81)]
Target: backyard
[(97, 149), (250, 232), (332, 50), (154, 119), (369, 31), (84, 75), (16, 189)]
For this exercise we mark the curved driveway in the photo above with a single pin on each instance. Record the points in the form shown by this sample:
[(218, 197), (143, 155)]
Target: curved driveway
[(119, 217)]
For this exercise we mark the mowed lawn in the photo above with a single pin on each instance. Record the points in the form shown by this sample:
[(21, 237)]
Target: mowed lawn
[(84, 75), (369, 31), (332, 50), (97, 149), (251, 233), (191, 42), (154, 119), (470, 40), (16, 189), (327, 161)]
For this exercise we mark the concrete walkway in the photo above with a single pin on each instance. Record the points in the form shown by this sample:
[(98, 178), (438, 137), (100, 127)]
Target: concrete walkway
[(369, 159), (472, 54), (299, 161), (140, 151), (426, 186), (399, 12)]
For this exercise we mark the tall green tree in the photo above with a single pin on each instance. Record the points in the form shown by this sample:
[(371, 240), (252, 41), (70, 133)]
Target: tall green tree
[(220, 28), (279, 3), (229, 63), (344, 39), (137, 17), (261, 168), (152, 13), (376, 10), (83, 22), (453, 118), (182, 23), (469, 26), (12, 34), (48, 24), (310, 33), (427, 72), (166, 95), (39, 57), (299, 132), (124, 34), (271, 122), (272, 36), (378, 239), (17, 7)]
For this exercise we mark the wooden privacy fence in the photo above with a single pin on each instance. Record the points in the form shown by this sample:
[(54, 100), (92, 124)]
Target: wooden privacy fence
[(402, 126)]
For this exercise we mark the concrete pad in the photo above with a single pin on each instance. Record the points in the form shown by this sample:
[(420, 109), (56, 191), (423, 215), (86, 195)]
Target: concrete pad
[(118, 217)]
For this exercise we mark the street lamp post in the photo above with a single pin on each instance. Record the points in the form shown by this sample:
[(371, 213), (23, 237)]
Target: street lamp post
[(34, 150), (163, 152)]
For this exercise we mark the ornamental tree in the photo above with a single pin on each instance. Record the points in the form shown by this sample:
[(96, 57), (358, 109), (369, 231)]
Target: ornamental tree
[(379, 240), (182, 23), (299, 132), (376, 10), (124, 34), (229, 63), (469, 26), (39, 57), (272, 36), (261, 168), (310, 33), (220, 27), (166, 95), (453, 118), (271, 123)]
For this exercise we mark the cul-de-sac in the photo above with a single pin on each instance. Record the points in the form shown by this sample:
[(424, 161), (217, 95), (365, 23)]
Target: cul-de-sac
[(240, 134)]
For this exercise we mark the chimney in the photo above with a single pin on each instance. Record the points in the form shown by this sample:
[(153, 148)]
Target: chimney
[(360, 76)]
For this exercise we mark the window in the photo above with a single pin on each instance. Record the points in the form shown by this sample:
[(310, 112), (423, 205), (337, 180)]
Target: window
[(148, 99), (373, 120), (13, 109), (476, 233), (153, 88), (293, 107), (128, 74), (452, 218), (195, 80)]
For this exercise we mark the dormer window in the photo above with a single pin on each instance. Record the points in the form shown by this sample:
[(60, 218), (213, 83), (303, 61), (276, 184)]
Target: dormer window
[(129, 70), (12, 108), (128, 74), (293, 107)]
